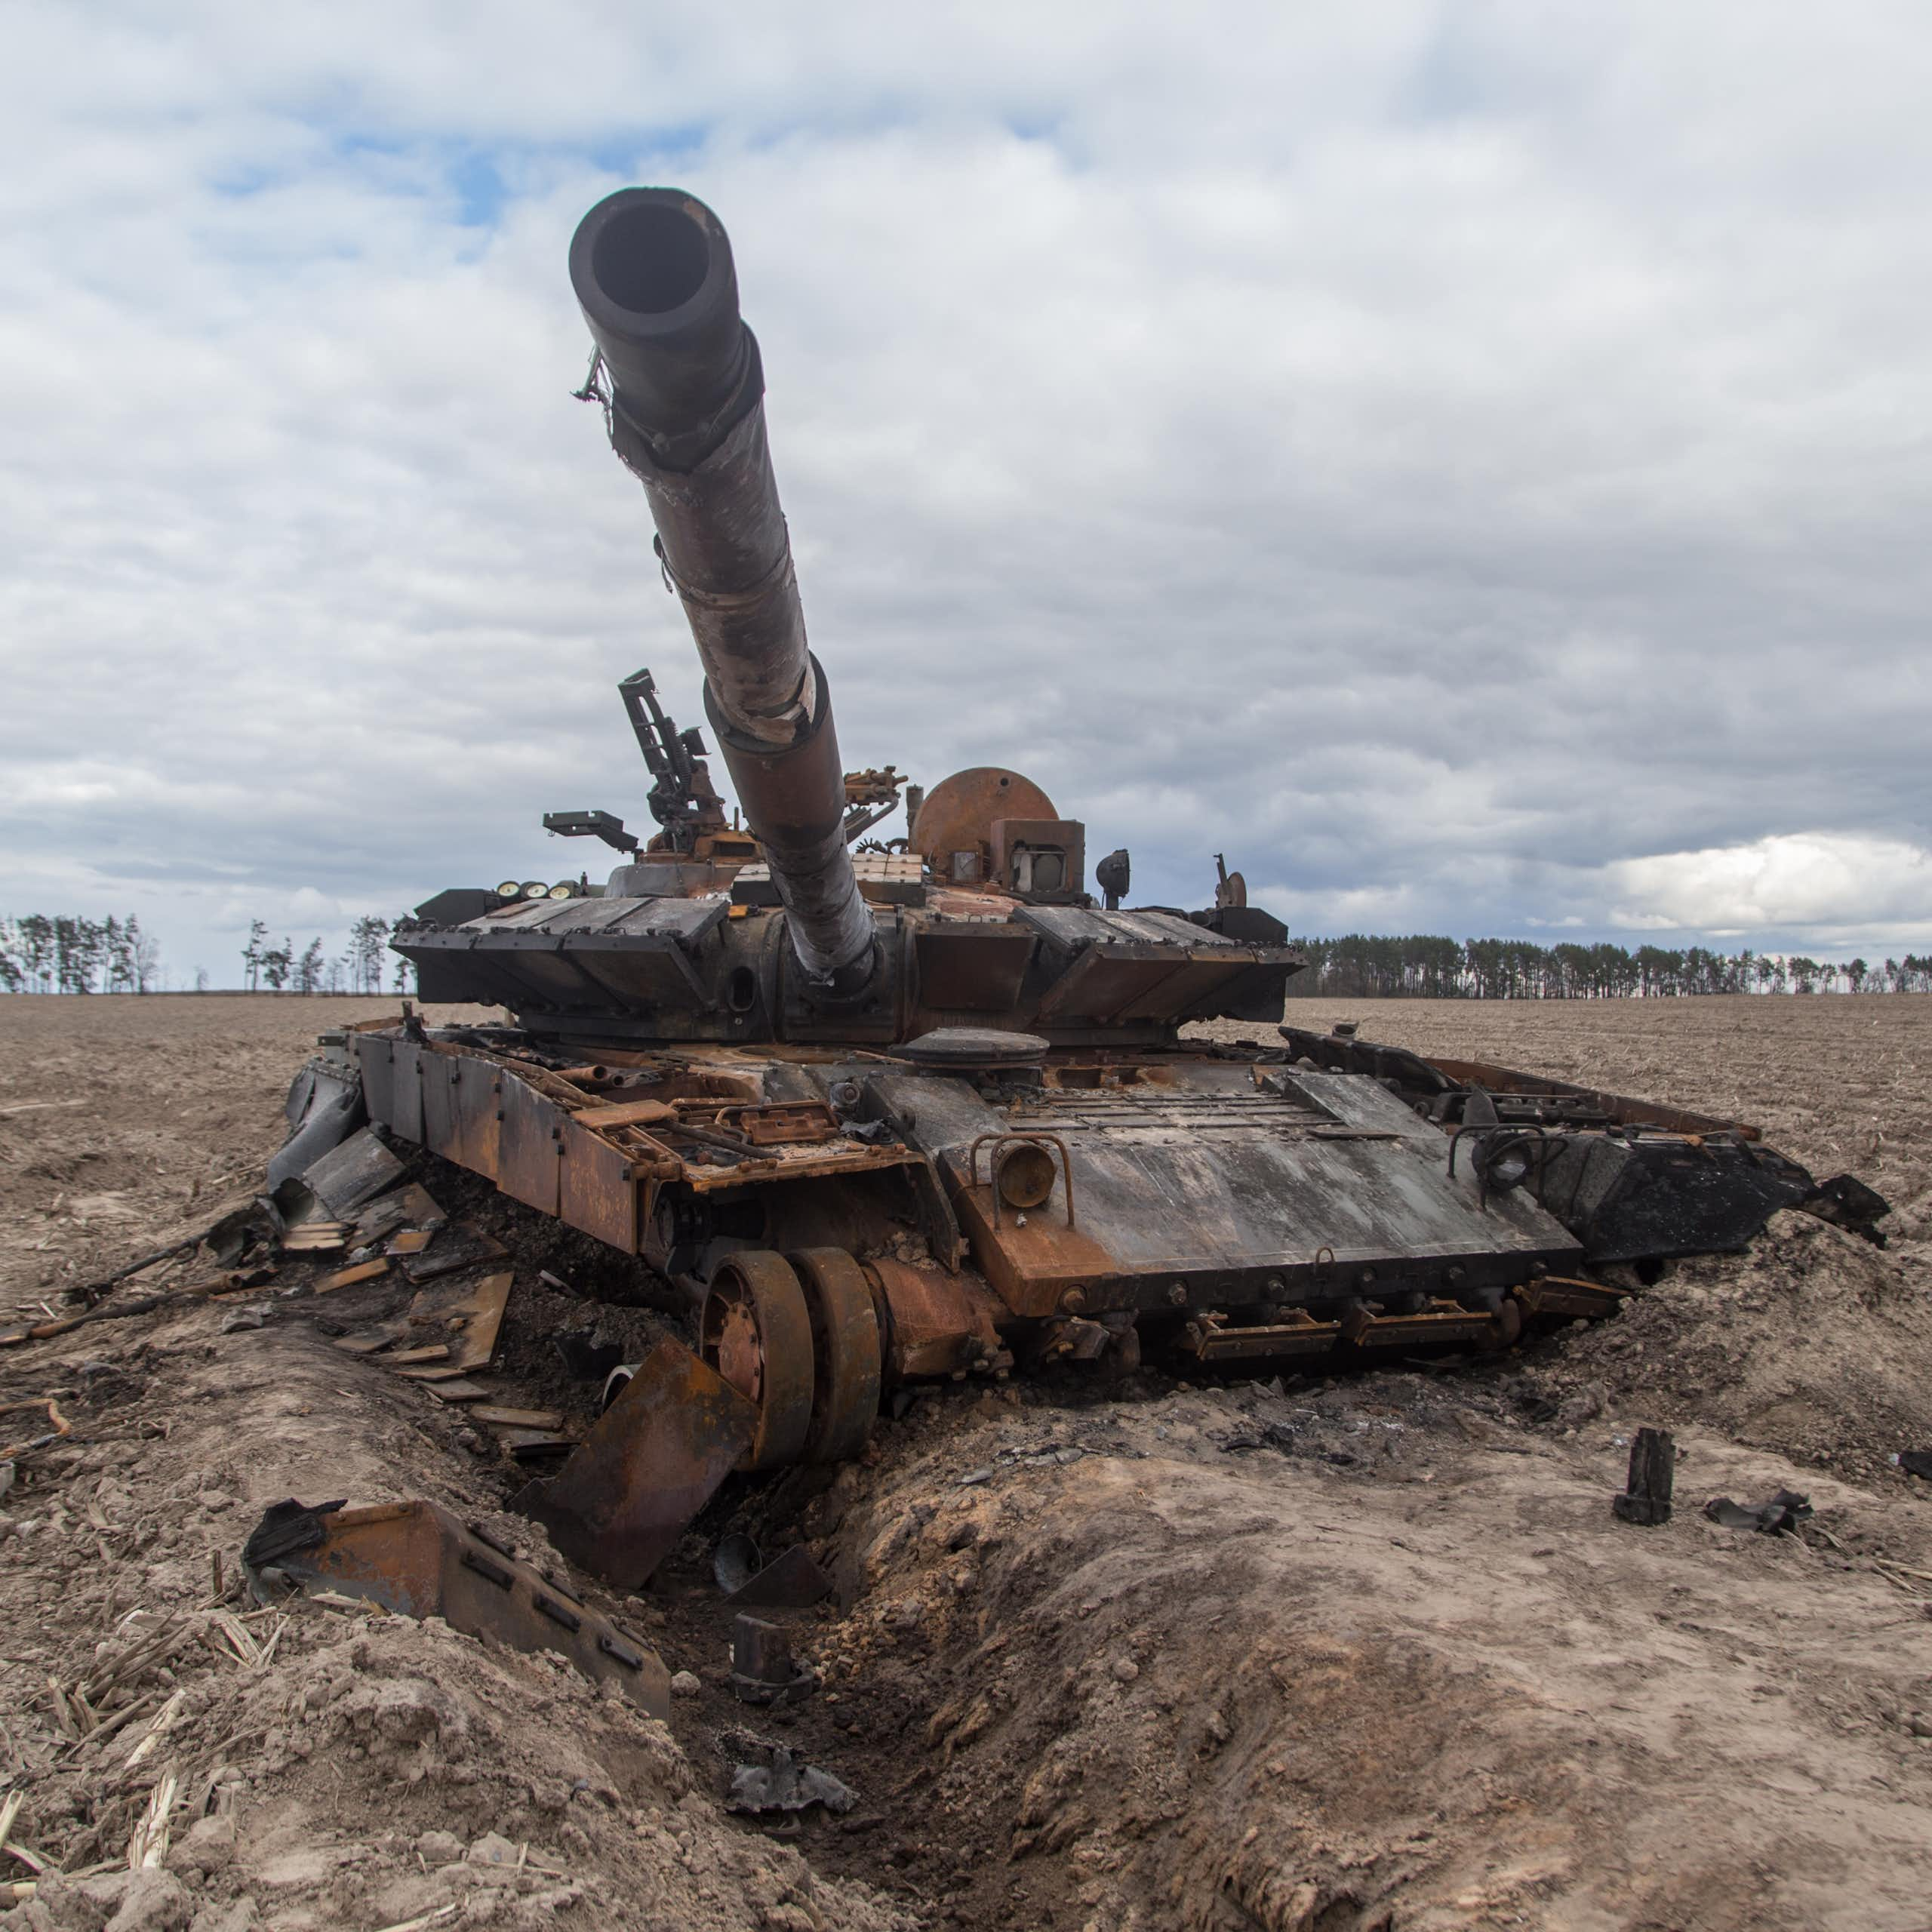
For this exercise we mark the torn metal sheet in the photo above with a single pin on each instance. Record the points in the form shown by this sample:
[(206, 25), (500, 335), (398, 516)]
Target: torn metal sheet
[(463, 1248), (410, 1207), (467, 1315), (324, 1106), (348, 1278), (417, 1558), (1778, 1515), (787, 1786), (652, 1461), (358, 1170), (790, 1582)]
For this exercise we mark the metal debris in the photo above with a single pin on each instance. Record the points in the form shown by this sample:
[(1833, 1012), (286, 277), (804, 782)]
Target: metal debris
[(790, 1582), (785, 1785), (736, 1560), (417, 1559), (348, 1278), (358, 1170), (1646, 1498), (1779, 1515), (469, 1314), (651, 1462), (763, 1669)]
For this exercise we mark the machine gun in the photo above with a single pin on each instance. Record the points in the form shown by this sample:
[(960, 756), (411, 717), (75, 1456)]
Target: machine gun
[(682, 798)]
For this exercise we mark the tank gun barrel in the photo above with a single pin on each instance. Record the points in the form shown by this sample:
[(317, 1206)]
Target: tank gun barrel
[(653, 274)]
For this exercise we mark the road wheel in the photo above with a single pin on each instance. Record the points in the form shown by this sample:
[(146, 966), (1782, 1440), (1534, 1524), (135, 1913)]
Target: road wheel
[(756, 1332), (845, 1353)]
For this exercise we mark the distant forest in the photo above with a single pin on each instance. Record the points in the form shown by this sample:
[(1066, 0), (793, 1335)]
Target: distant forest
[(44, 953), (1423, 966), (57, 952)]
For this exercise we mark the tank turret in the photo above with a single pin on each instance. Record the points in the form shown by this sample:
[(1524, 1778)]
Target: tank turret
[(683, 390)]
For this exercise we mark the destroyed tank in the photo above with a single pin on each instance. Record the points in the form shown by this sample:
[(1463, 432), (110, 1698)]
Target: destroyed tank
[(931, 1110)]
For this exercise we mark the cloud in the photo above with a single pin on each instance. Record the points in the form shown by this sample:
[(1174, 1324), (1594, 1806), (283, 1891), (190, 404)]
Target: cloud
[(1793, 883), (1468, 473)]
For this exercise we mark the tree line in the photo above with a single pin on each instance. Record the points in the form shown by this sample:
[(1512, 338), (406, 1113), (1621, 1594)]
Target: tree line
[(1427, 966), (53, 953), (357, 969), (56, 953)]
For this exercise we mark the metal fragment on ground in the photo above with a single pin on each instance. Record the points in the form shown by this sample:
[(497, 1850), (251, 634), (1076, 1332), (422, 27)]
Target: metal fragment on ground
[(356, 1171), (468, 1314), (463, 1248), (416, 1558), (514, 1418), (348, 1278), (763, 1669), (1778, 1515), (785, 1785), (1647, 1490), (651, 1462), (736, 1560), (790, 1582)]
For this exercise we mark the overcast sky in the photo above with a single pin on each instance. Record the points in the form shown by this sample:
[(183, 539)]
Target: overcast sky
[(1469, 464)]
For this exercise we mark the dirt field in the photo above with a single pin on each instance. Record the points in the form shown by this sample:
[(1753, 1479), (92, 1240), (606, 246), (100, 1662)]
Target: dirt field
[(1344, 1654)]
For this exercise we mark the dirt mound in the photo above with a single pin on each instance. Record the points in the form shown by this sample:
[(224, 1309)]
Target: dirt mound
[(1181, 1685), (1815, 1344), (322, 1767)]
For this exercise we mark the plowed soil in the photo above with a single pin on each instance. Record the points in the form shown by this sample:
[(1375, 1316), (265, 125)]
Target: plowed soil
[(1345, 1653)]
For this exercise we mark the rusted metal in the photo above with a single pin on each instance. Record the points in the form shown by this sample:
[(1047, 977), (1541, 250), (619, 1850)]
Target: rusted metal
[(651, 1462), (467, 1315), (756, 1331), (847, 1360), (416, 1559), (934, 1323), (627, 1113), (786, 1123), (763, 1669), (998, 1141), (956, 819), (790, 1582), (652, 270), (723, 1058)]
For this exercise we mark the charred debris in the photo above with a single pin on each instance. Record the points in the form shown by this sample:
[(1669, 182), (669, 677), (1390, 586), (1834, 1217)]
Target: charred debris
[(883, 1114)]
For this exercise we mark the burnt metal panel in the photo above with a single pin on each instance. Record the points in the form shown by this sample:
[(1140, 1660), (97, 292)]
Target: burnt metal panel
[(1207, 1182), (596, 1190), (527, 1154), (479, 1101), (1189, 984), (972, 968), (652, 1460), (406, 1098), (438, 1078), (1103, 981), (1079, 925), (375, 1057)]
